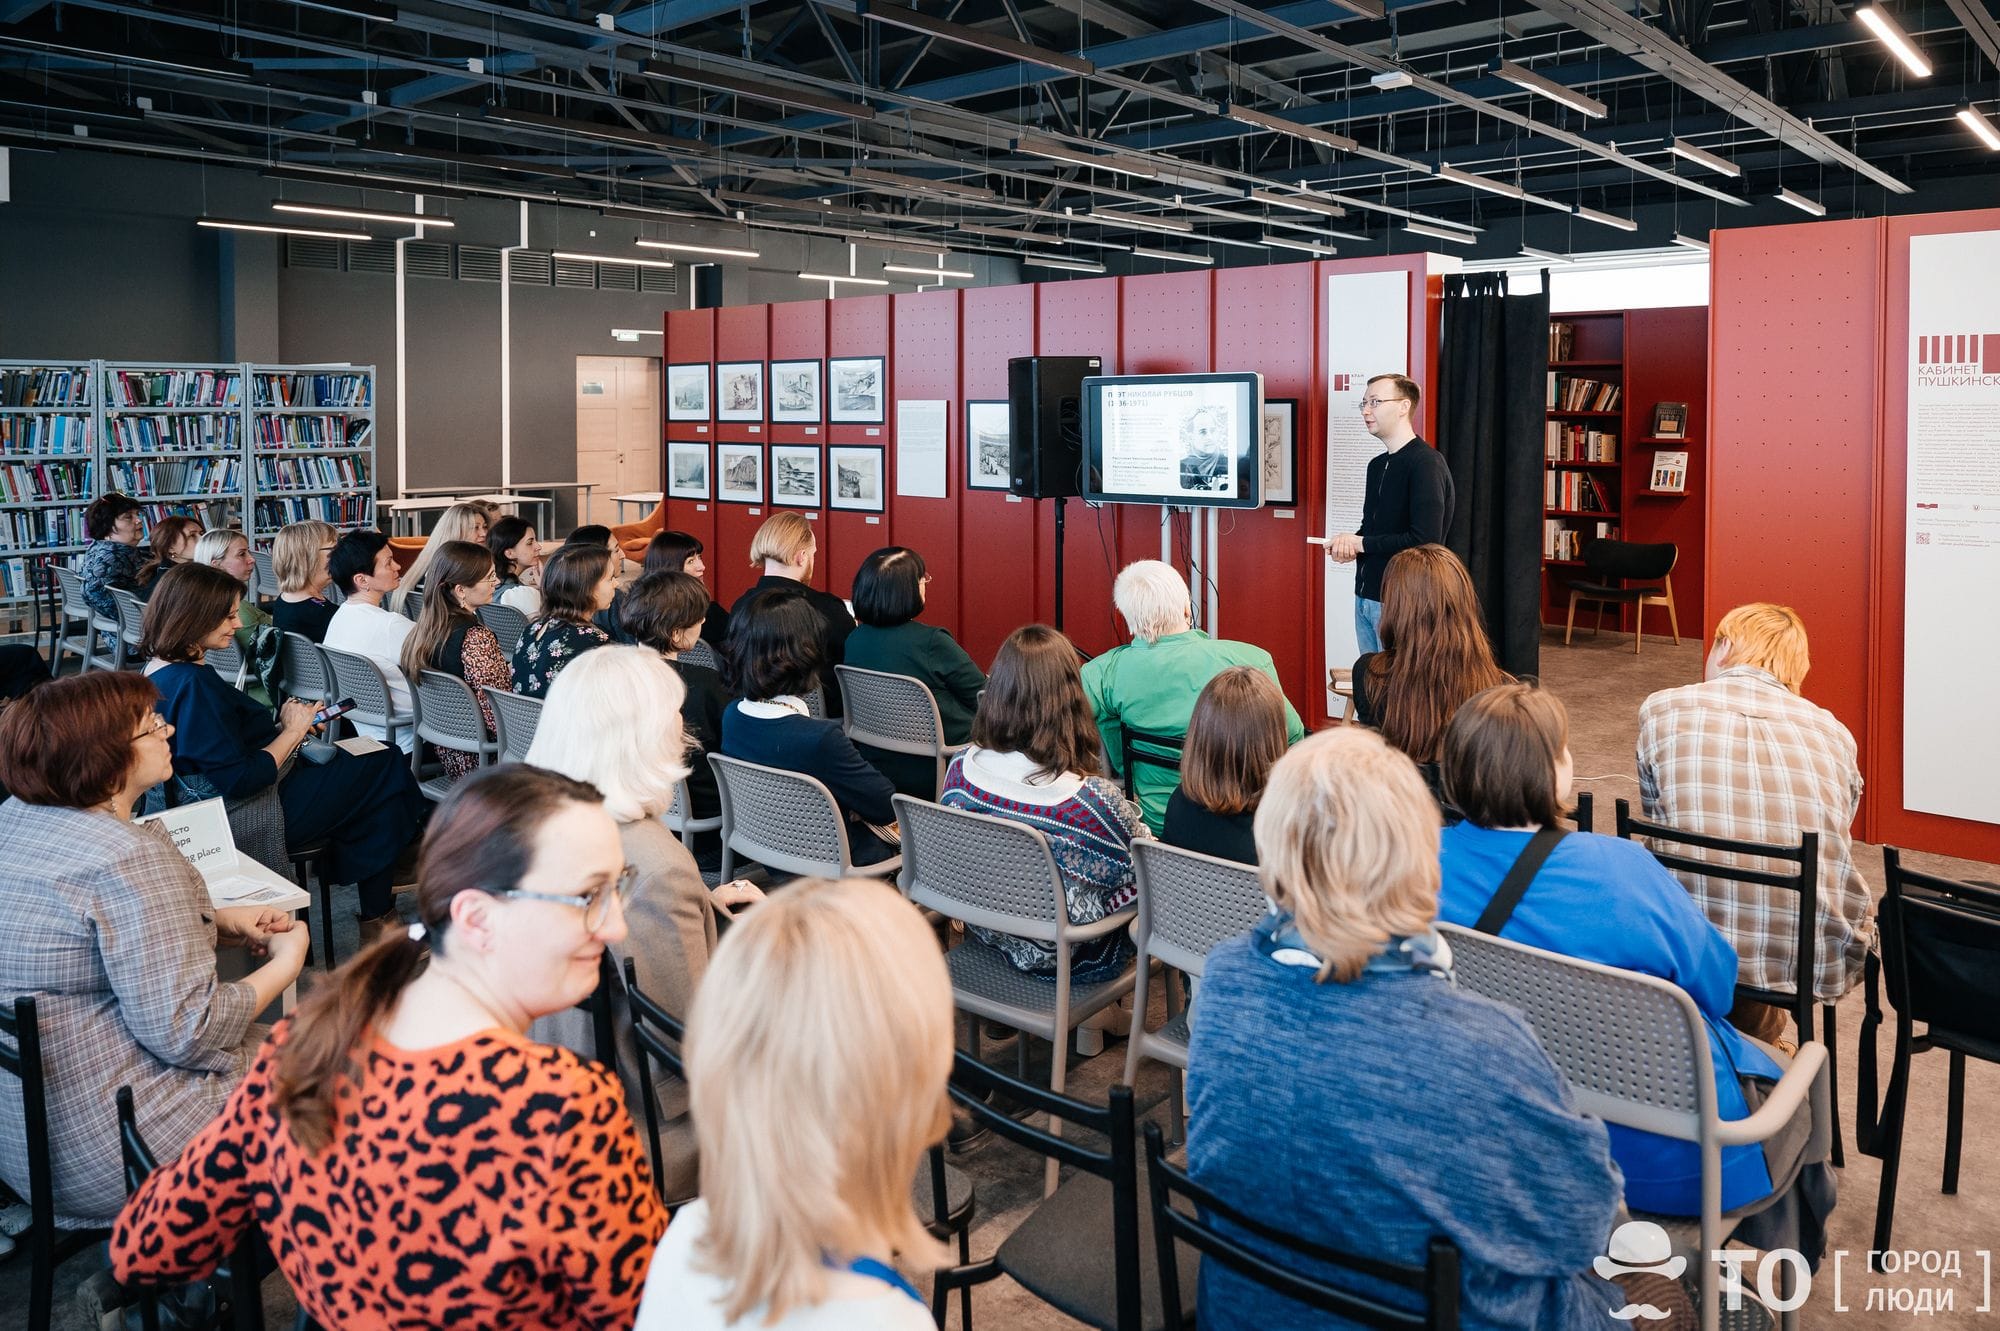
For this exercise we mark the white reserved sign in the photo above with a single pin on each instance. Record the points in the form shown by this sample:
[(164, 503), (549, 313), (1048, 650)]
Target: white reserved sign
[(201, 834)]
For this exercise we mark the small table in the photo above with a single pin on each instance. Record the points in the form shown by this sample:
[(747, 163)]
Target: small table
[(647, 501), (588, 487), (406, 515), (511, 503)]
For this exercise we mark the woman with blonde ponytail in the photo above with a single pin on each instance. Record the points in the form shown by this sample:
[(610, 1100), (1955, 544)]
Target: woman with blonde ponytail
[(411, 1157)]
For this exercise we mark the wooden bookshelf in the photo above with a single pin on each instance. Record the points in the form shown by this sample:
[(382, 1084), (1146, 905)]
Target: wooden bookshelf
[(48, 472)]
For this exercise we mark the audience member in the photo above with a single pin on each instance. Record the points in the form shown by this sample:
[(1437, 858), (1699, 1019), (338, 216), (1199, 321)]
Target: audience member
[(365, 806), (889, 593), (114, 936), (783, 549), (665, 611), (365, 569), (172, 542), (487, 509), (1150, 684), (114, 523), (595, 535), (1434, 655), (1235, 735), (299, 555), (409, 1155), (1507, 768), (1034, 760), (774, 658), (818, 1052), (229, 550), (449, 637), (460, 522), (21, 669), (613, 720), (517, 558), (1355, 1139), (1742, 755), (577, 582), (678, 552)]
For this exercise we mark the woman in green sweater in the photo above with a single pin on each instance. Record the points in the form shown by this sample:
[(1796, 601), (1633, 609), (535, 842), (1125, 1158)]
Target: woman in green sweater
[(888, 597)]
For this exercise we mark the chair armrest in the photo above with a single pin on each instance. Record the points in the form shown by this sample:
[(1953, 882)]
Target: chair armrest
[(1079, 933), (1784, 1101)]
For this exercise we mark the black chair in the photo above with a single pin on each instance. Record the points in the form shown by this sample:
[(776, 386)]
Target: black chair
[(1162, 751), (1436, 1280), (1941, 956), (1611, 567), (603, 1032), (1585, 813), (1803, 880), (1058, 1253), (48, 1247)]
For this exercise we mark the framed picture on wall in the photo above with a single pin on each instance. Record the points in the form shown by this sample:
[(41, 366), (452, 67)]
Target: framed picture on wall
[(739, 473), (687, 392), (795, 472), (795, 393), (858, 390), (988, 427), (687, 469), (1670, 420), (1281, 421), (857, 477), (739, 390)]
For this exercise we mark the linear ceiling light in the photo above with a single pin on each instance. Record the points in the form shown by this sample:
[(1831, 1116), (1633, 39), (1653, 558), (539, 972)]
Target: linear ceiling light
[(1317, 232), (899, 17), (1068, 265), (1801, 202), (1971, 118), (1007, 233), (360, 214), (682, 248), (1440, 233), (580, 257), (776, 93), (1530, 252), (1477, 181), (1286, 243), (634, 334), (921, 184), (1606, 219), (1326, 138), (1172, 256), (1888, 32), (914, 271), (1690, 242), (1682, 148), (843, 277), (221, 69), (1298, 202), (1549, 88), (367, 10), (278, 229), (1112, 216)]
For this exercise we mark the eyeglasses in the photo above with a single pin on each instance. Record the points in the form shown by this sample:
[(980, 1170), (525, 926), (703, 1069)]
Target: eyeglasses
[(1377, 403), (158, 725), (595, 905)]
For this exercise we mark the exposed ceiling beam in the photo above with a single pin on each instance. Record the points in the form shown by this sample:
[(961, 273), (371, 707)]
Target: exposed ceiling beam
[(1979, 24)]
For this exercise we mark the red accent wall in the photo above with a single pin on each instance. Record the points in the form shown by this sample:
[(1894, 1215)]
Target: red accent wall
[(1808, 326), (690, 337)]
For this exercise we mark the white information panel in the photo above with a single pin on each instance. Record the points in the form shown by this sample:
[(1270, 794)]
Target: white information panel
[(1368, 332), (1951, 621)]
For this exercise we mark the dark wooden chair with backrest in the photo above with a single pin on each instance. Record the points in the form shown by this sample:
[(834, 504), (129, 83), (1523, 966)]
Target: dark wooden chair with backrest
[(48, 1246), (1611, 567)]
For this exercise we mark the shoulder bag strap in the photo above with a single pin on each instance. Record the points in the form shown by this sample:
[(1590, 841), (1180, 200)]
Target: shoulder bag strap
[(1515, 885)]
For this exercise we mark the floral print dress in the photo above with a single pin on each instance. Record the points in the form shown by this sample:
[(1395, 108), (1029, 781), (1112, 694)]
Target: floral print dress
[(548, 646), (484, 666)]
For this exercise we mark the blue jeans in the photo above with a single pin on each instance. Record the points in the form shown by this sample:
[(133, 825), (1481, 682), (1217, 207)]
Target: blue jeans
[(1367, 623)]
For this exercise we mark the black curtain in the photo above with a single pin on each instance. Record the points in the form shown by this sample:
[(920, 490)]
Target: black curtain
[(1493, 361)]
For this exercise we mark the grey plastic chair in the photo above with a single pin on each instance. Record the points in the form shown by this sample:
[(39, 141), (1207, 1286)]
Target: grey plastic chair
[(448, 715), (264, 587), (303, 671), (358, 677), (702, 654), (1002, 876), (680, 819), (516, 716), (786, 821), (73, 609), (894, 712), (227, 662), (1635, 1052), (1188, 903), (413, 604), (507, 623), (131, 627)]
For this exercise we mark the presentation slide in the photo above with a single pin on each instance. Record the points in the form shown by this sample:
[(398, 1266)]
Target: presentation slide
[(1179, 439)]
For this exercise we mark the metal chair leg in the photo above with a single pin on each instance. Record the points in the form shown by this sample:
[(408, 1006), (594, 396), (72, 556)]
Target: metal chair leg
[(1893, 1114), (1954, 1121), (1833, 1080)]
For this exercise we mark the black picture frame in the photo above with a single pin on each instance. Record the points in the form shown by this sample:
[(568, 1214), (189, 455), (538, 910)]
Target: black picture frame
[(1285, 495), (1670, 420), (751, 372), (980, 456), (677, 376), (863, 503), (723, 450), (836, 367), (783, 415)]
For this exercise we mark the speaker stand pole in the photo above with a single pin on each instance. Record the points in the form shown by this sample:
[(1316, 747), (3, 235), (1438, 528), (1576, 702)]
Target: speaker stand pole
[(1060, 502)]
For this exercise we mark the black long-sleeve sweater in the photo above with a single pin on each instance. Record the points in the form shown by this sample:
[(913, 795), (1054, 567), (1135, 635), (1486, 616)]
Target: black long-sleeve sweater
[(1408, 503)]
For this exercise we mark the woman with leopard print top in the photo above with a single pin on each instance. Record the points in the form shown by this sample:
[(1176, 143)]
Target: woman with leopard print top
[(411, 1157)]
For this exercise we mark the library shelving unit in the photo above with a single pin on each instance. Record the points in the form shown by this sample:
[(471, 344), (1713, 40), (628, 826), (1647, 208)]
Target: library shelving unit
[(173, 439), (48, 471), (312, 447)]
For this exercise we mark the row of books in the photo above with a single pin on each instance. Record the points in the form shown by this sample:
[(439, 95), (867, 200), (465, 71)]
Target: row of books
[(324, 473), (1577, 491), (26, 529), (44, 434), (314, 390), (214, 476), (174, 388), (17, 580), (1565, 442), (1569, 392), (312, 432), (42, 482), (1561, 540), (1562, 340), (174, 434), (208, 512), (340, 510), (44, 388)]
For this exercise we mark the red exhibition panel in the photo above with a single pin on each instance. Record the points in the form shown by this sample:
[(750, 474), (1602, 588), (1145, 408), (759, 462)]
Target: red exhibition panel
[(690, 339), (926, 340), (1079, 318), (996, 535), (1166, 326), (859, 326), (798, 332)]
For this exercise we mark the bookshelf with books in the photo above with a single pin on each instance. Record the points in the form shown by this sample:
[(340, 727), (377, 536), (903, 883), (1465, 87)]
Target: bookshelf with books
[(311, 446), (48, 471), (173, 439), (1582, 453)]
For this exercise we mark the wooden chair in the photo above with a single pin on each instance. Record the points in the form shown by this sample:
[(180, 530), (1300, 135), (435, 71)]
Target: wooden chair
[(1611, 566)]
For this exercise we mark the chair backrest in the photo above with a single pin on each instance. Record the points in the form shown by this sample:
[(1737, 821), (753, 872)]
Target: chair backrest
[(70, 584), (658, 1034), (448, 715), (786, 821), (226, 662), (1941, 954), (516, 716), (358, 677), (893, 712), (1189, 902), (1613, 560), (21, 1058), (507, 623), (679, 816), (131, 615), (1633, 1047), (265, 586), (1437, 1280), (1139, 747), (302, 669), (984, 870), (603, 1027), (1584, 815), (702, 654), (413, 604)]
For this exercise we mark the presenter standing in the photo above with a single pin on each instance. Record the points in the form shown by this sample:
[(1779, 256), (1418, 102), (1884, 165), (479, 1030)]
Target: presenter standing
[(1407, 499)]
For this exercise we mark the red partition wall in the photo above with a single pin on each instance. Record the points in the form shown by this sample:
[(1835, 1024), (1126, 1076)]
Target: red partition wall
[(742, 332), (798, 332), (690, 337), (996, 530), (1081, 319), (925, 334), (1808, 327), (860, 326)]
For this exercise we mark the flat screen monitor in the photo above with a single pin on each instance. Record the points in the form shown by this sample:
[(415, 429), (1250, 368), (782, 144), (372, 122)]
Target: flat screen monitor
[(1186, 440)]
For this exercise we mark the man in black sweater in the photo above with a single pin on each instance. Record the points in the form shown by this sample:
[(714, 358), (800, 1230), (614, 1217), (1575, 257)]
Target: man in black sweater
[(1407, 501)]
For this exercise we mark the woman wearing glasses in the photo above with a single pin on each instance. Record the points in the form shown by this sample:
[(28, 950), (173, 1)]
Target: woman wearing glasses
[(298, 560), (449, 636), (410, 1155)]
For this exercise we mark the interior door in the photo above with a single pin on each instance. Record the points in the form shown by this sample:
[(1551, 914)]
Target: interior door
[(617, 426)]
